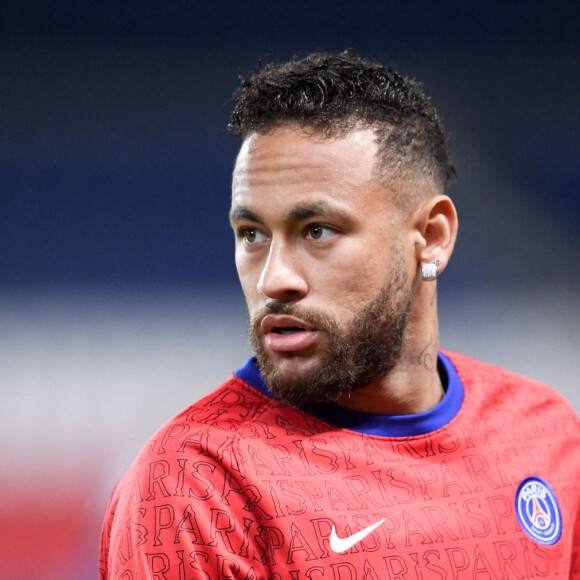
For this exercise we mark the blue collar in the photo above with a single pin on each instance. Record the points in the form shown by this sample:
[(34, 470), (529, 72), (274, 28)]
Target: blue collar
[(382, 425)]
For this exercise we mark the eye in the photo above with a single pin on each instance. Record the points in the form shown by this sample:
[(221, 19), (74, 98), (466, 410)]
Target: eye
[(319, 233), (251, 235)]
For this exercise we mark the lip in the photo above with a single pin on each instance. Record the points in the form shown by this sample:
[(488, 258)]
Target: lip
[(294, 342), (273, 321)]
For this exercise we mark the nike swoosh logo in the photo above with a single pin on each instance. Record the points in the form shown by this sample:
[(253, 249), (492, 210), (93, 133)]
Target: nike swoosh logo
[(339, 545)]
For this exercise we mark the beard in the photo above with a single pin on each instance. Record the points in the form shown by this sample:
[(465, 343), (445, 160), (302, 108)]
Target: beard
[(365, 351)]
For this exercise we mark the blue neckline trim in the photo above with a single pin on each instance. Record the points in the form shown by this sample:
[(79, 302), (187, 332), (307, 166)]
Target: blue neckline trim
[(381, 425)]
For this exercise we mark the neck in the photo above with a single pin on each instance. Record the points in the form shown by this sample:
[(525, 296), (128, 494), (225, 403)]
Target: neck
[(413, 386)]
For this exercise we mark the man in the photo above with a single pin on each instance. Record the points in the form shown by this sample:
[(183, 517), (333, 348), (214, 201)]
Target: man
[(350, 447)]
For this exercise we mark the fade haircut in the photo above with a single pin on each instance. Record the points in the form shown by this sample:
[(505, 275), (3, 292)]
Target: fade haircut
[(331, 94)]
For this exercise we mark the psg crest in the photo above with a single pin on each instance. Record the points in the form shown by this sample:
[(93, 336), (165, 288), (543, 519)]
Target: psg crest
[(538, 511)]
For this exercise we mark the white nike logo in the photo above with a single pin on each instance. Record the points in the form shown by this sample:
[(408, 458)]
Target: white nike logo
[(339, 545)]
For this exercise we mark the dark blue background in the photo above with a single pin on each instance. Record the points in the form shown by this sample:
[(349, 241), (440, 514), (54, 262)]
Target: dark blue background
[(115, 164)]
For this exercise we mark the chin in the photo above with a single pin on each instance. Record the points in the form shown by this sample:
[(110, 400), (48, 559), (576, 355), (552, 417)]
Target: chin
[(298, 362)]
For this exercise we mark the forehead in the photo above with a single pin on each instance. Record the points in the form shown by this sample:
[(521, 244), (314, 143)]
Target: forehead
[(289, 156)]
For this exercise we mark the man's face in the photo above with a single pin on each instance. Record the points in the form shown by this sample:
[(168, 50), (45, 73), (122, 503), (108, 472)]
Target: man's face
[(320, 252)]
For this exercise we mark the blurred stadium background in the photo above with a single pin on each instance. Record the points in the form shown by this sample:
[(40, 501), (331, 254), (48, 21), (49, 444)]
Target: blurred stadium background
[(119, 303)]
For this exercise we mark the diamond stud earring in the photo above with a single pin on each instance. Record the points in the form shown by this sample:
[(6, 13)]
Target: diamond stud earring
[(429, 271)]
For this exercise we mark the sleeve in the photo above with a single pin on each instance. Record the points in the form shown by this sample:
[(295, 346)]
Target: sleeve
[(183, 512)]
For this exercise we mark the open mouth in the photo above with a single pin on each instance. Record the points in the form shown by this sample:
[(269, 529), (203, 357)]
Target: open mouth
[(284, 333), (288, 329)]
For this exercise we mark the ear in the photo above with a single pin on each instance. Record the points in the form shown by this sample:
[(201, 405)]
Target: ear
[(434, 226)]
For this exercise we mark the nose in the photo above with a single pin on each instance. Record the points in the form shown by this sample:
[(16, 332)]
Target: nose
[(282, 277)]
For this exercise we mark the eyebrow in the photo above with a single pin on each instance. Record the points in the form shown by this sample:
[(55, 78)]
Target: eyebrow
[(243, 213), (309, 210), (301, 212)]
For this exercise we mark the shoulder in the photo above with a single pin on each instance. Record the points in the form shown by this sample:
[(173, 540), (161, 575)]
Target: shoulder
[(180, 475), (208, 423), (487, 385), (204, 433)]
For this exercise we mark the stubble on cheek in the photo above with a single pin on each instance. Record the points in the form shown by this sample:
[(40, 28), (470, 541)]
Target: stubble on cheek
[(367, 349)]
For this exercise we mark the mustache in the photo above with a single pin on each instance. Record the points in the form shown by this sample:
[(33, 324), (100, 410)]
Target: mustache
[(317, 319)]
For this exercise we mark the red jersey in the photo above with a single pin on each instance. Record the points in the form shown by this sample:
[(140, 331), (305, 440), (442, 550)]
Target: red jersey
[(485, 485)]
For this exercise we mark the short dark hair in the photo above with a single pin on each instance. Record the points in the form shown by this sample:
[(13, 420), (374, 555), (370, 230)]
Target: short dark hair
[(334, 93)]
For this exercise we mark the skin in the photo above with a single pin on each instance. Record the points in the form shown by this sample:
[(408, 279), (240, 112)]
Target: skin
[(315, 228)]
